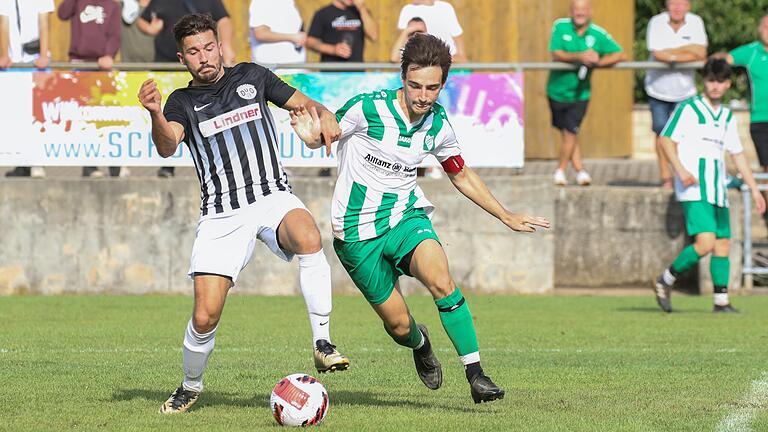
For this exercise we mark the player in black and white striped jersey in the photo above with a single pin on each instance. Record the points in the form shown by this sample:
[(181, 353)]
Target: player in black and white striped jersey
[(224, 119)]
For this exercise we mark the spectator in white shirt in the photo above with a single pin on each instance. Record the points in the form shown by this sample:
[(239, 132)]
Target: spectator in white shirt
[(415, 25), (277, 32), (441, 21), (29, 37), (673, 36)]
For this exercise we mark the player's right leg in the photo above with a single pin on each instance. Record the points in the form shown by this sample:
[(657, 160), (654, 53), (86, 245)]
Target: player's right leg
[(429, 265), (199, 340)]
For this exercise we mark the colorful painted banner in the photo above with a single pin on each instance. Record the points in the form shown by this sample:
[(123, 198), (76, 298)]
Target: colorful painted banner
[(94, 118)]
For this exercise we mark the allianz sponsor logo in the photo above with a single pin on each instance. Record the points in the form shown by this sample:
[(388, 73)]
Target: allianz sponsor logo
[(231, 119), (373, 160), (390, 168)]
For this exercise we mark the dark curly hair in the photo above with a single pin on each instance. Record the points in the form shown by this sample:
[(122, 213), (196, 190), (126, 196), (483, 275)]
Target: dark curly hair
[(424, 50), (192, 24)]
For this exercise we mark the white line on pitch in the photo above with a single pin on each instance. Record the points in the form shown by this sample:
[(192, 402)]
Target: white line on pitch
[(739, 419)]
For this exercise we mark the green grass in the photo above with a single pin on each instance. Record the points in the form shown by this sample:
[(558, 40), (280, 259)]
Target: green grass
[(567, 364)]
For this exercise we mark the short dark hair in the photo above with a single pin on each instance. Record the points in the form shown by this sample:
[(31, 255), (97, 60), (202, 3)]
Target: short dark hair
[(716, 69), (424, 50), (192, 24), (417, 19)]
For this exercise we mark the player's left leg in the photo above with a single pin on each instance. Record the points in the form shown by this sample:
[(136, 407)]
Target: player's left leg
[(720, 265), (298, 234), (429, 265)]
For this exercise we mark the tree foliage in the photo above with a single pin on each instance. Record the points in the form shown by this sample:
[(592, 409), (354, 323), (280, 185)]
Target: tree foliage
[(729, 23)]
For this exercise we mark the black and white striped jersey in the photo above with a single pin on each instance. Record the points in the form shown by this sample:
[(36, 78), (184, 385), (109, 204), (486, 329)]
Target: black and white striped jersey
[(231, 135)]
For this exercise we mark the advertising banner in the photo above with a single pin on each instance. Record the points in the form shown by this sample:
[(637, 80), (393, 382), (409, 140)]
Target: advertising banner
[(95, 119)]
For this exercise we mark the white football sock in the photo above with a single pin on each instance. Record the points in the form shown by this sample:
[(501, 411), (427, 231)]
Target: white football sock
[(315, 282), (721, 299), (668, 277), (196, 348)]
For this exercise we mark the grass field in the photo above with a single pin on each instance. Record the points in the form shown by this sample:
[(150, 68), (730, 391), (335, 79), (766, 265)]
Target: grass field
[(567, 364)]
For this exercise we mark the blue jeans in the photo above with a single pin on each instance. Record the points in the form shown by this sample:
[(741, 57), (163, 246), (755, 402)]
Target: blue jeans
[(661, 111)]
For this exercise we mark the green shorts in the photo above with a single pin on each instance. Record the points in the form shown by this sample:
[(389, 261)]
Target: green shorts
[(373, 264), (701, 217)]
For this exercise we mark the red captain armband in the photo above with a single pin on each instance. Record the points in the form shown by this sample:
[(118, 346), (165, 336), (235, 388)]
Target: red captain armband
[(453, 164)]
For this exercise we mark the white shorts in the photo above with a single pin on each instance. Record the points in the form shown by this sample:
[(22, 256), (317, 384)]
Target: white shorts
[(224, 243)]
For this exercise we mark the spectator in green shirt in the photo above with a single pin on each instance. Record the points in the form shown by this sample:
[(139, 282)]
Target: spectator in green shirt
[(579, 41), (754, 57)]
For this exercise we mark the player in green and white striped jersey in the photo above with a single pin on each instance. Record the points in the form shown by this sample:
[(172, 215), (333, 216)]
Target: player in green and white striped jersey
[(381, 216), (695, 140)]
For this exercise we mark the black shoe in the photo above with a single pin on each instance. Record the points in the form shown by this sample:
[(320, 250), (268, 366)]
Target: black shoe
[(484, 390), (165, 172), (179, 401), (663, 294), (324, 172), (19, 172), (427, 366), (725, 309), (327, 359)]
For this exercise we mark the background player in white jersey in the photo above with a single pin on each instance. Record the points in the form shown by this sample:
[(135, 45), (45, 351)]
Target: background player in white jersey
[(695, 140), (224, 119), (380, 215)]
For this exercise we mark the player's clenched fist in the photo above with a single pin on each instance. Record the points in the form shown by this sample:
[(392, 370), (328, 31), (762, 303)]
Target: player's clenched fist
[(149, 96)]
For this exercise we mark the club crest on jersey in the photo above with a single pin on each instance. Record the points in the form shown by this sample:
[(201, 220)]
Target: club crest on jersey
[(246, 91), (231, 119)]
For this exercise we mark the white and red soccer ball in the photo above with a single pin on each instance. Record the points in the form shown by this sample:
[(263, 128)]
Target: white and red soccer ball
[(299, 400)]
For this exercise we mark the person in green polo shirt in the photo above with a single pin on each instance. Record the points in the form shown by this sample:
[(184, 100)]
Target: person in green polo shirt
[(754, 57), (579, 41)]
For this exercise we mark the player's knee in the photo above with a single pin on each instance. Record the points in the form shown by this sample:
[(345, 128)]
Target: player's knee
[(204, 322), (705, 245), (443, 286), (309, 240)]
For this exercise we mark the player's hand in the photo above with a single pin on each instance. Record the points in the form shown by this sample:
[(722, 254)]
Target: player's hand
[(759, 201), (306, 123), (342, 50), (590, 57), (525, 223), (149, 96), (42, 61), (331, 130), (106, 62), (687, 179), (300, 39)]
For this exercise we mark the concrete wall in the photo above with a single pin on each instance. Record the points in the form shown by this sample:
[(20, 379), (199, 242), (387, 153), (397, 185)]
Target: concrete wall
[(135, 236), (614, 237)]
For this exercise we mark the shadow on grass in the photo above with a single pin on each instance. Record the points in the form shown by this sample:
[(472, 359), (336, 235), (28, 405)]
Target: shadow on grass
[(210, 398), (341, 397), (368, 398), (656, 310)]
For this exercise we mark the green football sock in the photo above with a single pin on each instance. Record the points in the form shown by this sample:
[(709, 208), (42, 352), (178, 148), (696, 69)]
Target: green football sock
[(412, 340), (686, 260), (457, 322), (720, 268)]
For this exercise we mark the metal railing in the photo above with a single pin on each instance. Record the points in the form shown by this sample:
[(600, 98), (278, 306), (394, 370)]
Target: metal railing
[(749, 270), (341, 67)]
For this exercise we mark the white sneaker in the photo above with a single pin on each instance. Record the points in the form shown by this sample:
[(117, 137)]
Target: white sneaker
[(559, 178), (583, 178), (37, 172)]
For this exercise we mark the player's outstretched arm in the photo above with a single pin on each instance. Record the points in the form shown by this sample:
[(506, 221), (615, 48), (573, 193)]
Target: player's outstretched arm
[(746, 173), (166, 135), (329, 126), (306, 123), (474, 188)]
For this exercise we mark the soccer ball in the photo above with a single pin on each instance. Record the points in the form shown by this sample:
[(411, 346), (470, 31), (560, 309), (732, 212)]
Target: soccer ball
[(299, 400)]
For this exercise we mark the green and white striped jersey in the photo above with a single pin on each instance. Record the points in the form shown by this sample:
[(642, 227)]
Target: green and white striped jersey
[(378, 155), (702, 137)]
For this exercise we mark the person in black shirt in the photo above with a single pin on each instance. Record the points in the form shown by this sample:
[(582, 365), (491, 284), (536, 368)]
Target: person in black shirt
[(157, 19), (338, 31), (224, 119)]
